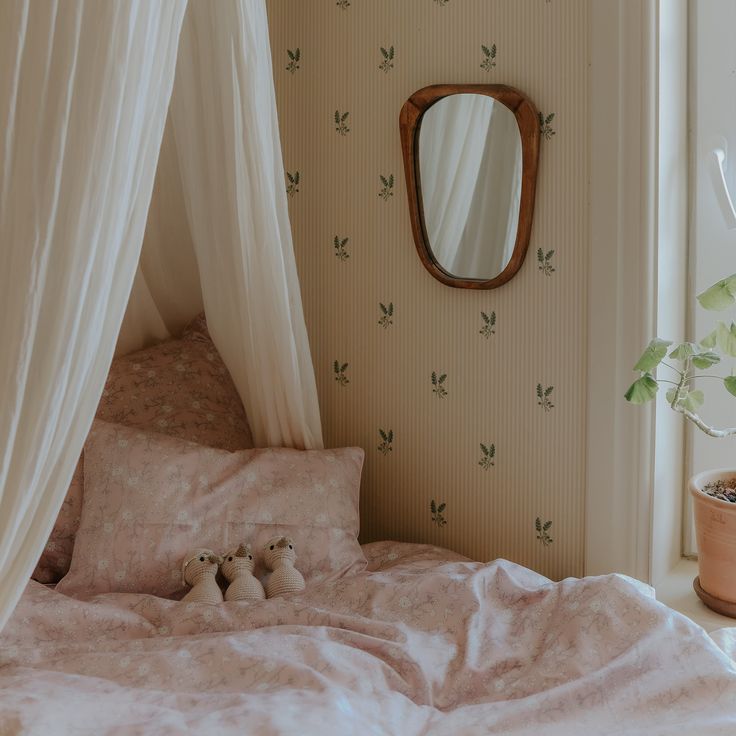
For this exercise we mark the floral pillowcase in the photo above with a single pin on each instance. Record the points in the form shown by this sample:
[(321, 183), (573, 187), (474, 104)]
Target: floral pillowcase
[(149, 499), (180, 388)]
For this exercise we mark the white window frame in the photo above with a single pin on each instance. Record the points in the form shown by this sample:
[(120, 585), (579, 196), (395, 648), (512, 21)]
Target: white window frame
[(637, 138)]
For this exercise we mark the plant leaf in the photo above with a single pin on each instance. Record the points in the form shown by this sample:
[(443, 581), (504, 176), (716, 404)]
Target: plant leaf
[(433, 506), (709, 341), (546, 526), (442, 507), (538, 524), (653, 355), (684, 350), (720, 296), (726, 337), (730, 383), (706, 359), (642, 390)]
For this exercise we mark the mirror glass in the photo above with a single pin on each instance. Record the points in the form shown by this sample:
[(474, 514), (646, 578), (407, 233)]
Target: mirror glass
[(470, 175)]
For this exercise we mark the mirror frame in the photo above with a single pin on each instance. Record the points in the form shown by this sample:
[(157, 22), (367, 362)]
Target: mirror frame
[(410, 122)]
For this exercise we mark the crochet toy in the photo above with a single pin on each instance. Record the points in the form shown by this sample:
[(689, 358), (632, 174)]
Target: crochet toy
[(199, 570), (279, 555), (238, 571)]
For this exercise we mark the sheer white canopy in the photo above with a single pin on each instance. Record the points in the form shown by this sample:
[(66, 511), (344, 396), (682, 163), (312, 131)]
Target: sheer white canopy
[(84, 93)]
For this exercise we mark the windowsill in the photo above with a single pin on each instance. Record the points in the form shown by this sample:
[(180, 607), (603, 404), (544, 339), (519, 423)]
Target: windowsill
[(676, 591)]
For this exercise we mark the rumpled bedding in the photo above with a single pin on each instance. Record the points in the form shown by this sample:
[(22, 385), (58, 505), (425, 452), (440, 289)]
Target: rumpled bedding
[(422, 642)]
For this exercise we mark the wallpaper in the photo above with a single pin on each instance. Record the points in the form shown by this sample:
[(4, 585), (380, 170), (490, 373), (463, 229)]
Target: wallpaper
[(470, 404)]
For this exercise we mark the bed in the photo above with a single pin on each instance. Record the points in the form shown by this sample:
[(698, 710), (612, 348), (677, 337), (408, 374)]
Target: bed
[(422, 641), (387, 638)]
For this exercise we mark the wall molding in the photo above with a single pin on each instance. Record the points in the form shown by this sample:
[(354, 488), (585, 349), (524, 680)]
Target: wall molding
[(621, 283)]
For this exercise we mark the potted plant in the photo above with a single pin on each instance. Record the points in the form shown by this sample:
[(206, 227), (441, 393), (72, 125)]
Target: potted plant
[(714, 491)]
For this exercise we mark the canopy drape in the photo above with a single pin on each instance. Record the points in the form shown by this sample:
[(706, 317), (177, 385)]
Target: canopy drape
[(223, 110), (84, 89)]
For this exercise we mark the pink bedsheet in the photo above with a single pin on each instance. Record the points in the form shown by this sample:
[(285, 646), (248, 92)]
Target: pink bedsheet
[(424, 642)]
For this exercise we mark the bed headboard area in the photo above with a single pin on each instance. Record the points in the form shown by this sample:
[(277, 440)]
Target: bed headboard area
[(470, 404)]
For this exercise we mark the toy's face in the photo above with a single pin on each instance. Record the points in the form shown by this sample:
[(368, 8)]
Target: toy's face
[(235, 564), (279, 549), (201, 562)]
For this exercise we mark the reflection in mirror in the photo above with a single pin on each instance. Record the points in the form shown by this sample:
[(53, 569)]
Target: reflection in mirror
[(470, 172)]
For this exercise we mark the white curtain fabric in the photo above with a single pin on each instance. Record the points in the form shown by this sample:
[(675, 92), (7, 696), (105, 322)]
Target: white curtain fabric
[(489, 236), (451, 140), (166, 292), (224, 116), (84, 89)]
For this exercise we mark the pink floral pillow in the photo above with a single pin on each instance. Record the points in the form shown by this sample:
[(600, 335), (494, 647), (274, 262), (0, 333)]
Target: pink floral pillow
[(180, 388), (149, 499)]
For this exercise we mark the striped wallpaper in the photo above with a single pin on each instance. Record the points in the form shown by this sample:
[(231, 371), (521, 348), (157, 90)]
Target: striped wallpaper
[(490, 460)]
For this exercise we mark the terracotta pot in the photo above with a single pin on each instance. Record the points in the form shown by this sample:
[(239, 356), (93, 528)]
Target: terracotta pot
[(715, 530)]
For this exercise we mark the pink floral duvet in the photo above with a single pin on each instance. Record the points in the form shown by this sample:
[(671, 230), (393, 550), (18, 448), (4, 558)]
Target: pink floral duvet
[(423, 642)]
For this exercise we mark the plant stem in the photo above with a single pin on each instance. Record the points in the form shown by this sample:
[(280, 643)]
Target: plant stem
[(672, 368), (700, 424)]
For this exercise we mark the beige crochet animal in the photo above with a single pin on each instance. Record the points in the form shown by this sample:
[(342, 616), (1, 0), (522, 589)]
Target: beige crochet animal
[(238, 571), (279, 555), (199, 569)]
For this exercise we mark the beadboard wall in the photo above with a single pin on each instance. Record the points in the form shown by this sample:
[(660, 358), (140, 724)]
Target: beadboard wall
[(491, 460)]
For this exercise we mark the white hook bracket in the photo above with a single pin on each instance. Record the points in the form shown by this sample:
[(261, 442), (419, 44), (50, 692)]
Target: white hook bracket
[(719, 164)]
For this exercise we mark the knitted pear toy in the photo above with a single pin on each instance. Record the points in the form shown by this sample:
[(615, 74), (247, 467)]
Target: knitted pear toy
[(279, 555), (199, 569), (238, 571)]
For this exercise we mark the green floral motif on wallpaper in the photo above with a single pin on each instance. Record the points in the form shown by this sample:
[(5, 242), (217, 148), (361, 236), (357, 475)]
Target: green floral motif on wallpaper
[(294, 58), (487, 460), (387, 63), (387, 190), (543, 397), (438, 385), (387, 314), (343, 4), (489, 324), (489, 57), (387, 438), (339, 370), (544, 262), (442, 3), (292, 187), (340, 248), (438, 513), (543, 531), (341, 122), (545, 125)]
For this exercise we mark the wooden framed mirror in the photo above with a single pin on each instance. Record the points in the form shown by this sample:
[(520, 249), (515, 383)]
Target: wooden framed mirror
[(471, 153)]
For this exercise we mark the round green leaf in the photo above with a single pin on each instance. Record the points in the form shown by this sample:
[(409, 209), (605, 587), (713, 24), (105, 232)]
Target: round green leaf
[(730, 383), (652, 356), (720, 296), (642, 390)]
